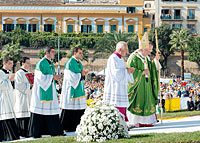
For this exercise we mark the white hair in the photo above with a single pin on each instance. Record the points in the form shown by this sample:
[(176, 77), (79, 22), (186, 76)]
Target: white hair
[(120, 45)]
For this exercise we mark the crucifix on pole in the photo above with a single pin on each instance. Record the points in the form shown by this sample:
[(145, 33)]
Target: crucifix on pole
[(58, 69)]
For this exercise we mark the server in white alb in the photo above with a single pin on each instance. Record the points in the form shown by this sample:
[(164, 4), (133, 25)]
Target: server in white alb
[(22, 97), (8, 127)]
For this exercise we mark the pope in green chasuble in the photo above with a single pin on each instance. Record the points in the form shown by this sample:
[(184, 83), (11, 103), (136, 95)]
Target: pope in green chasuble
[(143, 93)]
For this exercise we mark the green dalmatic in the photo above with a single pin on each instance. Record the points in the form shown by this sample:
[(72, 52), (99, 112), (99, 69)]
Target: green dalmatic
[(46, 96), (76, 67)]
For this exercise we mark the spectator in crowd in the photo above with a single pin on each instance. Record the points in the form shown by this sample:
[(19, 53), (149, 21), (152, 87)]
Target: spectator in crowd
[(190, 104), (179, 92), (184, 93), (163, 104), (197, 103)]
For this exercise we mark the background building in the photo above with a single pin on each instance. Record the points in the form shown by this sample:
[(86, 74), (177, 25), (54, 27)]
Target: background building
[(179, 13), (97, 16), (149, 11)]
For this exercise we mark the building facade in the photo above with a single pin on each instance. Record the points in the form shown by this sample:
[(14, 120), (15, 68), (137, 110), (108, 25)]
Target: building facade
[(179, 13), (149, 11), (67, 16)]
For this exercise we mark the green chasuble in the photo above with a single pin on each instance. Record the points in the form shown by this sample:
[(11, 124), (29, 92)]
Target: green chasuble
[(76, 67), (46, 96), (143, 94)]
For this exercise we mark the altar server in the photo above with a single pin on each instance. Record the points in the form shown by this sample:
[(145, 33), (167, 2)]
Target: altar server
[(8, 127)]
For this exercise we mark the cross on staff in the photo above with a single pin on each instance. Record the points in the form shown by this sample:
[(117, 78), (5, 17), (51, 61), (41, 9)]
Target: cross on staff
[(158, 65), (58, 70)]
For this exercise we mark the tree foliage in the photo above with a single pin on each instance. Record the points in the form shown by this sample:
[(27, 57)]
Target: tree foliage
[(194, 51), (164, 31), (38, 40), (14, 51), (181, 40), (106, 45)]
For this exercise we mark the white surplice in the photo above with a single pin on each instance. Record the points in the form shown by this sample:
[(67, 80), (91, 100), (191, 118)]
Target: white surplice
[(116, 81), (22, 95), (43, 81), (6, 97), (71, 79)]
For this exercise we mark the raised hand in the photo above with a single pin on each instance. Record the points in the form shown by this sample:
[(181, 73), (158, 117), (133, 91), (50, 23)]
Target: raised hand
[(57, 77), (130, 70)]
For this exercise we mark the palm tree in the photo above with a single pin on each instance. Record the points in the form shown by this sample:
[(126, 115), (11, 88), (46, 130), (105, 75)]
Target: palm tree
[(181, 40), (106, 45)]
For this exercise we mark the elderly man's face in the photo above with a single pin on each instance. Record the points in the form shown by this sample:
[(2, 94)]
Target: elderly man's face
[(125, 50), (145, 52), (150, 49)]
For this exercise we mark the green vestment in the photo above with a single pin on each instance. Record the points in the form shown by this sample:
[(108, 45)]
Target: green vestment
[(143, 94), (76, 67), (46, 96)]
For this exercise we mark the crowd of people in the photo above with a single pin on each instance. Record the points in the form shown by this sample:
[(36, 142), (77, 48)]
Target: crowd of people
[(181, 89), (178, 89), (94, 87)]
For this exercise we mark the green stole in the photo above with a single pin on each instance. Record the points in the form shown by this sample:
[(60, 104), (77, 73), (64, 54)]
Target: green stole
[(76, 67), (46, 69), (143, 95)]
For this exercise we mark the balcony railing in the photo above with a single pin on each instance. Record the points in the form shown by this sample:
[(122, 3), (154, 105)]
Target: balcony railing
[(169, 17), (178, 17), (165, 17), (191, 17), (193, 32)]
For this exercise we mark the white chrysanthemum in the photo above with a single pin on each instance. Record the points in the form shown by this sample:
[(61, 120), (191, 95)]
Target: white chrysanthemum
[(101, 122), (100, 126)]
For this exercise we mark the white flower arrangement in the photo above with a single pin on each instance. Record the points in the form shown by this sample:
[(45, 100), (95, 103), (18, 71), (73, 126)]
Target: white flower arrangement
[(101, 122)]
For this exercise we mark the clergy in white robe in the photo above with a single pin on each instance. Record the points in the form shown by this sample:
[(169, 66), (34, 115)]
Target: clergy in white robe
[(44, 105), (116, 79), (73, 99), (8, 127), (22, 97)]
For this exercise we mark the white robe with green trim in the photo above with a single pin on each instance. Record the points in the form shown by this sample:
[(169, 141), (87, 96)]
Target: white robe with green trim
[(43, 81), (71, 79)]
